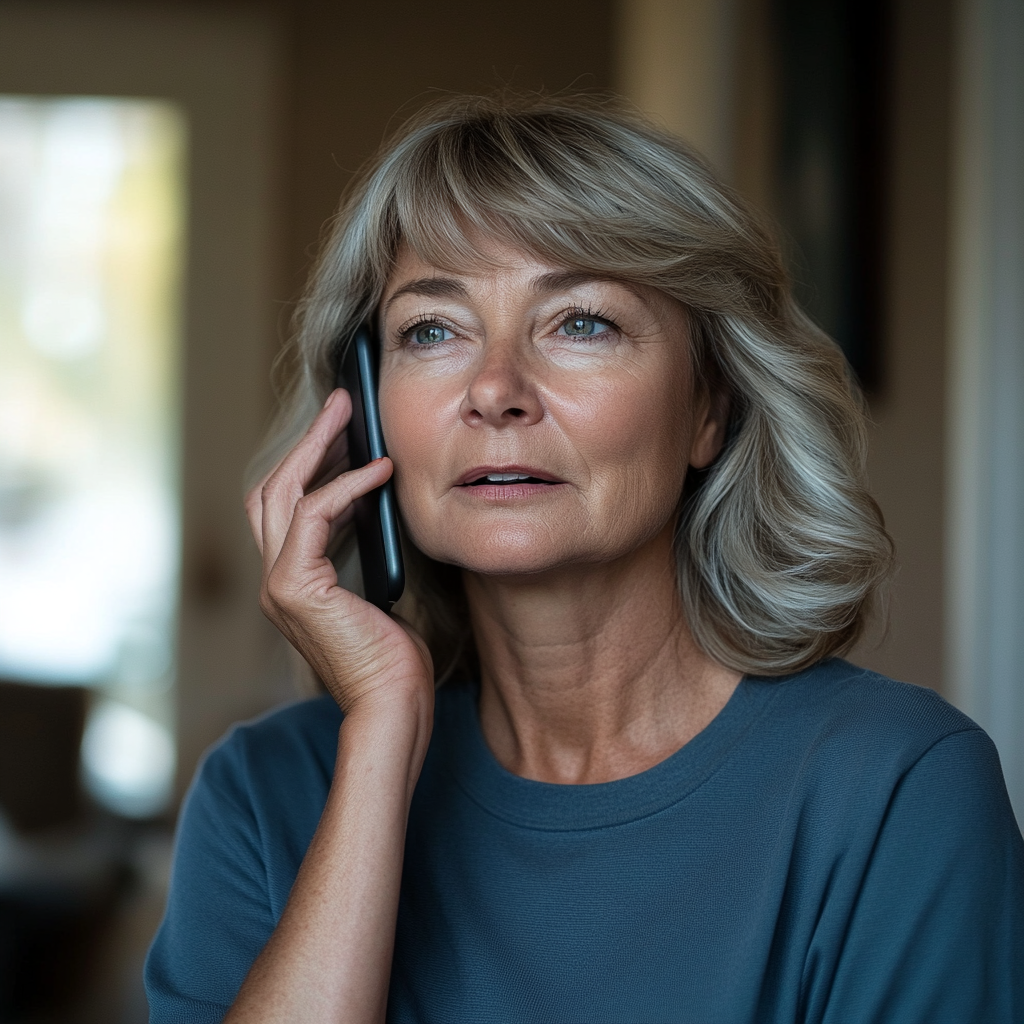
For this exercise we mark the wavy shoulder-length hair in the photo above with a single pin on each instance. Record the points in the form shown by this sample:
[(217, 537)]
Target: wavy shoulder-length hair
[(779, 547)]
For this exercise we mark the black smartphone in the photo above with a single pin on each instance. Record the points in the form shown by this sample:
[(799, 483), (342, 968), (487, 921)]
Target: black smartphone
[(376, 515)]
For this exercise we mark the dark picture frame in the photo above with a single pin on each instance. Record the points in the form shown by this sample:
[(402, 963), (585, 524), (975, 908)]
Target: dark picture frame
[(833, 60)]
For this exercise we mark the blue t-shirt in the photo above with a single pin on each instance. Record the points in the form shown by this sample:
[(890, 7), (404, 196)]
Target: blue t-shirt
[(834, 847)]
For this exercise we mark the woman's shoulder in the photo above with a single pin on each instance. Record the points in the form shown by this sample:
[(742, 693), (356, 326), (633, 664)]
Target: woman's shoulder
[(859, 758), (837, 694), (842, 716)]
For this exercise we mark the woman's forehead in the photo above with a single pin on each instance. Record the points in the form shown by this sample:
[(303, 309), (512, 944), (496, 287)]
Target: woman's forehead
[(486, 256), (495, 258), (467, 250)]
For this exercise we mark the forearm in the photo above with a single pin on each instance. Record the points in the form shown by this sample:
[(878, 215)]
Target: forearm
[(329, 959)]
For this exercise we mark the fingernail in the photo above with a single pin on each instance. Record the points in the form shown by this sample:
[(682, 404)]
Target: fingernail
[(330, 398)]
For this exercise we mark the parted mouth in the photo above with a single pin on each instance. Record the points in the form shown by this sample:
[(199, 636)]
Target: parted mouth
[(505, 476)]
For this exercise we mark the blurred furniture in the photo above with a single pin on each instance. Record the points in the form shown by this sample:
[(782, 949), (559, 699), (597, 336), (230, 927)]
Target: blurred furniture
[(40, 737), (59, 864)]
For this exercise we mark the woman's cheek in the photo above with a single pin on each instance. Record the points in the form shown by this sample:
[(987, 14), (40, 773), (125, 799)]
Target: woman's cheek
[(637, 434), (415, 442), (610, 420)]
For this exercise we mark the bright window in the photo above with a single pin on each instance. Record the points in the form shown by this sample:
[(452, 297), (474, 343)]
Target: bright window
[(91, 260)]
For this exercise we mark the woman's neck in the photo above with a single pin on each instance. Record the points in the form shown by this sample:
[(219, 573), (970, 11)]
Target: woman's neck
[(591, 673)]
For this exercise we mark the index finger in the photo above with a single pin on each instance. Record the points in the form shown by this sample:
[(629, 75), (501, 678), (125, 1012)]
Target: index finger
[(292, 477)]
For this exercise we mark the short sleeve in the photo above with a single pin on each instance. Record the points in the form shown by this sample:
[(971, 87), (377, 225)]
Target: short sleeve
[(219, 914), (937, 933)]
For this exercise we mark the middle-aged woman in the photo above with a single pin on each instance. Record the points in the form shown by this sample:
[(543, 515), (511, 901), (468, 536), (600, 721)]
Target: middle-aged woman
[(631, 479)]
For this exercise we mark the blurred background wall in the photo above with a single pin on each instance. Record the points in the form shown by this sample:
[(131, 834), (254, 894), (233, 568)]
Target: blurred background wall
[(285, 100)]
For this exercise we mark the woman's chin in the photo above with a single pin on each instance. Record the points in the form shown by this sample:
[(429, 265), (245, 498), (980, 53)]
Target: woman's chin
[(507, 555)]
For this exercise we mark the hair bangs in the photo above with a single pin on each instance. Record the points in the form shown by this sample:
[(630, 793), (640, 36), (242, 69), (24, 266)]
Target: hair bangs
[(457, 193)]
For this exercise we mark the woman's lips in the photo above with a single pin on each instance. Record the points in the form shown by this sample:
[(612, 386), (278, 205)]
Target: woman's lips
[(504, 476), (507, 483)]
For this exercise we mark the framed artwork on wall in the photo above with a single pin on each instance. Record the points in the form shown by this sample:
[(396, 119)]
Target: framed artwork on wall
[(833, 68)]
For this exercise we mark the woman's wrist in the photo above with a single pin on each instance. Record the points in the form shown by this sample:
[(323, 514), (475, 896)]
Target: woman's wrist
[(388, 735)]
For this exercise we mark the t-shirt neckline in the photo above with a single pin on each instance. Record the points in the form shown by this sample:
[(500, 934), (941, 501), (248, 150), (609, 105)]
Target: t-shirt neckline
[(547, 806)]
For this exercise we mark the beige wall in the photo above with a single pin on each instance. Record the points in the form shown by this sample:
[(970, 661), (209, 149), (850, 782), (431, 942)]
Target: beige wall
[(907, 463), (360, 68), (675, 59)]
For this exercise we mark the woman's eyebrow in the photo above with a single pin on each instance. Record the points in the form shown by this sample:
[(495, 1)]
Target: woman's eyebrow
[(561, 280), (431, 288)]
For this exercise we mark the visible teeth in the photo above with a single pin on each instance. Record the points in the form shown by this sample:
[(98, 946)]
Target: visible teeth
[(506, 478)]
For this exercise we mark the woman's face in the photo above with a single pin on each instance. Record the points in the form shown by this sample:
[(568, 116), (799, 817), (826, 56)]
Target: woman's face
[(537, 417)]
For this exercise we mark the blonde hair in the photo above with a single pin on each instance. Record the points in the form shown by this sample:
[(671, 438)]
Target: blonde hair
[(780, 548)]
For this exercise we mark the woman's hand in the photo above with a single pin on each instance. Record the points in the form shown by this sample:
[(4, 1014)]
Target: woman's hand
[(329, 959), (367, 659)]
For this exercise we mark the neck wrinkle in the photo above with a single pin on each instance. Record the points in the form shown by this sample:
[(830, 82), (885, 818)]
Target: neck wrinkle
[(590, 676)]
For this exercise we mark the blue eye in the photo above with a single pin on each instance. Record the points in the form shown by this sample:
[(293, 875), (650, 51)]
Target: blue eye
[(430, 334), (583, 327)]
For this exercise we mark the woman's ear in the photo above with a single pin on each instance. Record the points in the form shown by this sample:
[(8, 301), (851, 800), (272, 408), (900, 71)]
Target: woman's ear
[(711, 427)]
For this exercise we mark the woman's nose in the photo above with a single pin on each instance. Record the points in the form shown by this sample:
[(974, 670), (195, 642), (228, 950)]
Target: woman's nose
[(502, 391)]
